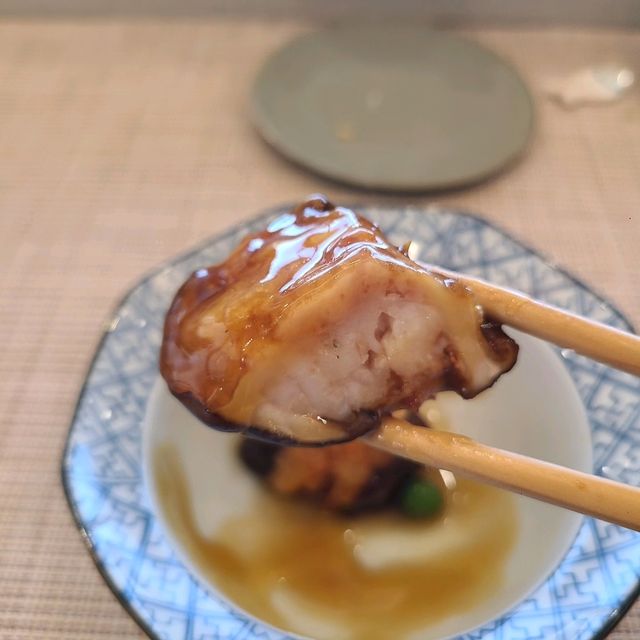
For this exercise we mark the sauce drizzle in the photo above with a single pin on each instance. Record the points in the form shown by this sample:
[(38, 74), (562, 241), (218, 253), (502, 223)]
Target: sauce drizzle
[(336, 578)]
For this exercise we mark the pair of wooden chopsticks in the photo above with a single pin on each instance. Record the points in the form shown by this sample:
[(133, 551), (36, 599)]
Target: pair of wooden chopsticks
[(592, 495)]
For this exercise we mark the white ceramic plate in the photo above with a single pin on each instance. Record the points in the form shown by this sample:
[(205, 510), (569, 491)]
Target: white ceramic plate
[(524, 412)]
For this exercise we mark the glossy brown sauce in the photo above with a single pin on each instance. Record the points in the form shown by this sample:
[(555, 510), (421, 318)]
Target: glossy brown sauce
[(235, 331), (258, 283), (293, 566)]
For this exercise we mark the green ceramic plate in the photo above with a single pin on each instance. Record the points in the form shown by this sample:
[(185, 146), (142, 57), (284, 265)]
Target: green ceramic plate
[(392, 107)]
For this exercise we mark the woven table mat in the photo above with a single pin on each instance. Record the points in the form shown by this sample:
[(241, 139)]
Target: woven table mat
[(122, 143)]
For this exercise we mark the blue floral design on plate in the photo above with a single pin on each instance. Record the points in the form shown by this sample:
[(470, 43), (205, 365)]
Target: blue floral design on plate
[(589, 591)]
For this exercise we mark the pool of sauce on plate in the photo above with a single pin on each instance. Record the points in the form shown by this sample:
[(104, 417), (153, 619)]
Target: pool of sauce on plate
[(294, 566)]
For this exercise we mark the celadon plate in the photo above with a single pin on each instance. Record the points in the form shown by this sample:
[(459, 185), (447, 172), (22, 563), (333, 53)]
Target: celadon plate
[(392, 107), (570, 577)]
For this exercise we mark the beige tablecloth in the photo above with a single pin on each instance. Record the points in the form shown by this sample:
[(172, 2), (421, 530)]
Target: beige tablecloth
[(122, 143)]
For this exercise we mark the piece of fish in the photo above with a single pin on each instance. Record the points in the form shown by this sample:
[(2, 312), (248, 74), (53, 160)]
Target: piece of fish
[(349, 477), (313, 329)]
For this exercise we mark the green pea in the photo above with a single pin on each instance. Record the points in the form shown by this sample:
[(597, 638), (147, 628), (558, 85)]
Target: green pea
[(421, 499)]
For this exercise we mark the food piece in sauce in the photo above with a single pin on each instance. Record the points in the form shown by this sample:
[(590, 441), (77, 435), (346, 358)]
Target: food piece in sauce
[(313, 329), (350, 477)]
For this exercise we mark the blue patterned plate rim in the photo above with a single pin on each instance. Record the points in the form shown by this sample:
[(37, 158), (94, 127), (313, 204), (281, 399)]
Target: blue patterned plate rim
[(612, 619)]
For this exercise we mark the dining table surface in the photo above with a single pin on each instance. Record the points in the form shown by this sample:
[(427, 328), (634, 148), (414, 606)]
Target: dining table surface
[(125, 141)]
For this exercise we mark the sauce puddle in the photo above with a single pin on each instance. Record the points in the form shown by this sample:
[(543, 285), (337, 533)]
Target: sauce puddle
[(378, 577)]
